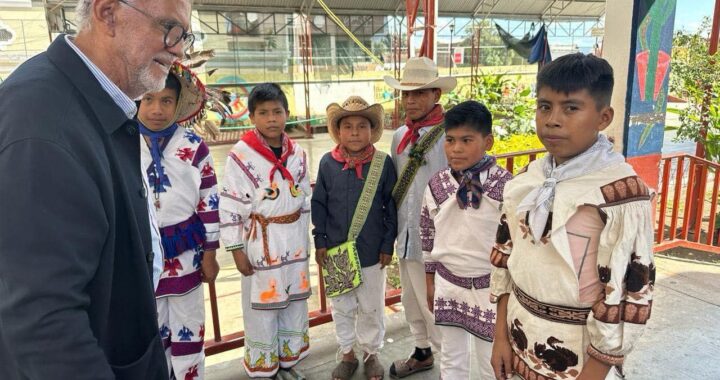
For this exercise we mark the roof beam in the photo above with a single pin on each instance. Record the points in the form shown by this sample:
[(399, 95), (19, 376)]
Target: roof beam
[(485, 7)]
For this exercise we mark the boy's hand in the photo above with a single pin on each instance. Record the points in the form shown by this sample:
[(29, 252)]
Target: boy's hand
[(320, 256), (593, 369), (501, 358), (430, 284), (385, 259), (242, 262), (209, 267)]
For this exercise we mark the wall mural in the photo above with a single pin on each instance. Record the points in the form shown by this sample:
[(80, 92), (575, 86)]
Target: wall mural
[(648, 101)]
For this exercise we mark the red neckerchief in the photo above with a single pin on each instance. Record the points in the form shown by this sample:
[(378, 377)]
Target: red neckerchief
[(255, 141), (341, 155), (434, 117)]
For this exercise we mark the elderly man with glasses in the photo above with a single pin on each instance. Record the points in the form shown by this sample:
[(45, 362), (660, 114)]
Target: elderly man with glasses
[(78, 248)]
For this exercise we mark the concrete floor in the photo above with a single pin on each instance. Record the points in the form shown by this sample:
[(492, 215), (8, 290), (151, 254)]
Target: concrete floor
[(682, 340)]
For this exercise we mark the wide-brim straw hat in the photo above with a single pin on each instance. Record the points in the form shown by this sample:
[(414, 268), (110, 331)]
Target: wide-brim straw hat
[(421, 73), (355, 106), (191, 102)]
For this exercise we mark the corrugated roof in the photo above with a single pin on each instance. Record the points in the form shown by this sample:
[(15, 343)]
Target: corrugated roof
[(513, 9)]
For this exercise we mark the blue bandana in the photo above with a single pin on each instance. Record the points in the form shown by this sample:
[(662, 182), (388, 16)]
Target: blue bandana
[(160, 180)]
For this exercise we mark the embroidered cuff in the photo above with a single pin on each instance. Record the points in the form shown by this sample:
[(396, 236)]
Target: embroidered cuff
[(430, 267), (234, 247), (611, 360)]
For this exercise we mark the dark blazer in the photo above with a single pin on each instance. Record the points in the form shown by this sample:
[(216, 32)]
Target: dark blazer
[(76, 291)]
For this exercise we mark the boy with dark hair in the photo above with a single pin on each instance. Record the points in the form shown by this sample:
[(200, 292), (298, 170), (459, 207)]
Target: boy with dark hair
[(574, 272), (180, 173), (264, 223), (460, 212), (352, 201)]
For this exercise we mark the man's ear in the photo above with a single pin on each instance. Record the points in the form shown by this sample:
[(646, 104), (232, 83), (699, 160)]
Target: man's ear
[(438, 94), (104, 15)]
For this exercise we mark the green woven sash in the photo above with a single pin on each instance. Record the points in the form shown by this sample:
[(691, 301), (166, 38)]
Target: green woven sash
[(342, 271), (417, 159)]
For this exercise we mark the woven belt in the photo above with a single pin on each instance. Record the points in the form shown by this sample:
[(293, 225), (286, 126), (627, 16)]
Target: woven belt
[(481, 282), (264, 223), (555, 313)]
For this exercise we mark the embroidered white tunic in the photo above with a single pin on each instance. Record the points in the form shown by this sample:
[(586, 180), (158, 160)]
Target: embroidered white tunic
[(552, 331), (408, 237), (456, 246), (247, 190), (189, 199)]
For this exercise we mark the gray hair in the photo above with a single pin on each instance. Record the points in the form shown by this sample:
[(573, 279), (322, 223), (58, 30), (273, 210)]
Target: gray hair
[(83, 12)]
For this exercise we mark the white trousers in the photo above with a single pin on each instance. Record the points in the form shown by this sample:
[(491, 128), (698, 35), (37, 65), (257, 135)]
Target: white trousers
[(182, 327), (273, 338), (460, 349), (359, 314), (414, 301)]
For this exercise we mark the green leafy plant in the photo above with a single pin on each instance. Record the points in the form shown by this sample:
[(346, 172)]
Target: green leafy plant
[(511, 104), (695, 77)]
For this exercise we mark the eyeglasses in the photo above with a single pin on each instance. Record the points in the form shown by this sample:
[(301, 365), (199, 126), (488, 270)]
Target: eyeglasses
[(174, 33)]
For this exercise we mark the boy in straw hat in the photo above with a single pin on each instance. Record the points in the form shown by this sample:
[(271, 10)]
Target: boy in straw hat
[(265, 219), (180, 172), (417, 150), (345, 173)]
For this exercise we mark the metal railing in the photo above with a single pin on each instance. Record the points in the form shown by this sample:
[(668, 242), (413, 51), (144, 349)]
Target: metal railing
[(688, 214)]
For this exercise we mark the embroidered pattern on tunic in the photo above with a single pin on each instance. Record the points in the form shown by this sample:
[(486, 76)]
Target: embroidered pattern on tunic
[(247, 170), (482, 282), (478, 322), (495, 183), (625, 190), (441, 187), (555, 313), (427, 230), (554, 360)]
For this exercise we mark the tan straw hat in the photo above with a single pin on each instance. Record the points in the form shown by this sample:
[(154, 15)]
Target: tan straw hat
[(355, 106), (421, 73)]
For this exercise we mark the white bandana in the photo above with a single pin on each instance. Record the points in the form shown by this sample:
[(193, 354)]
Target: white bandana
[(539, 201)]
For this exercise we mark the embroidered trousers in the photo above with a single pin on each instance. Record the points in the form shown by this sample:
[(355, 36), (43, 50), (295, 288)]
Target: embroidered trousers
[(414, 301), (182, 326), (359, 314), (273, 338)]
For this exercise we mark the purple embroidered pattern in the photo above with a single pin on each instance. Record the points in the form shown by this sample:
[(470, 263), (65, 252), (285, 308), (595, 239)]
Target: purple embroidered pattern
[(441, 186), (430, 266), (427, 230), (495, 183), (303, 169), (473, 319), (246, 170), (481, 282)]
